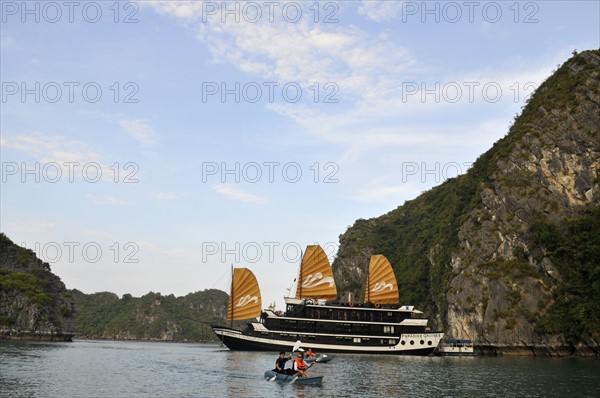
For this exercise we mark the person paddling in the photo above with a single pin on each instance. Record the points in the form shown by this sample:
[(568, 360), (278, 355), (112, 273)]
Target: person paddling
[(300, 366), (280, 362), (310, 354)]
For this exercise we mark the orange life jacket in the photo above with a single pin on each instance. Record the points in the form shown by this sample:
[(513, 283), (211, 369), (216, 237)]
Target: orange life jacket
[(300, 364)]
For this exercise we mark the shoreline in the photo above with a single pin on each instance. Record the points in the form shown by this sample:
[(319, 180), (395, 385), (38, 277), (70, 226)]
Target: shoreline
[(480, 350)]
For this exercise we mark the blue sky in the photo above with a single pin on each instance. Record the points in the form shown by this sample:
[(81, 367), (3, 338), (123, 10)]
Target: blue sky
[(125, 166)]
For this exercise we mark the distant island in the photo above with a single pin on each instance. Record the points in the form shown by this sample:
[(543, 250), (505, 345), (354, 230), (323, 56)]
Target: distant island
[(34, 304), (151, 317)]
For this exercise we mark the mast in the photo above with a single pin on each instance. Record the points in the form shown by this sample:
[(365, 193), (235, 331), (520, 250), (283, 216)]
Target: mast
[(368, 283), (300, 276), (231, 298)]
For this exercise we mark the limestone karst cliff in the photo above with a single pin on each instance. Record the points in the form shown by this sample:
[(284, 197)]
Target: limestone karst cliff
[(507, 254), (34, 303)]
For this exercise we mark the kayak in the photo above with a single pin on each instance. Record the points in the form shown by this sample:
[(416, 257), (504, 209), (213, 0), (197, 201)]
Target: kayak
[(288, 379), (321, 359)]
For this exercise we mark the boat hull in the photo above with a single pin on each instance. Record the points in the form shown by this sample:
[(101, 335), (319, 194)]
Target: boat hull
[(288, 378), (456, 354), (321, 359), (236, 340)]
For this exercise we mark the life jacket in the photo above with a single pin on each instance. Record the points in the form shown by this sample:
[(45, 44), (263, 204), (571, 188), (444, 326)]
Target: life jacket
[(300, 364)]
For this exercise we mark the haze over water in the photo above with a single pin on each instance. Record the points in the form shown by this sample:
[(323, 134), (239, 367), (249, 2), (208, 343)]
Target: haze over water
[(135, 369)]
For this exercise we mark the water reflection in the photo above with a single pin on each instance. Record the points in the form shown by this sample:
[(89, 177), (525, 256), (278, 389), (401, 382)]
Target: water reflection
[(117, 369)]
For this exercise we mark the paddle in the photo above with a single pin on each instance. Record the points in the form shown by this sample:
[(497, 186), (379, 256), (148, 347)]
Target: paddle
[(294, 349), (308, 367), (296, 346)]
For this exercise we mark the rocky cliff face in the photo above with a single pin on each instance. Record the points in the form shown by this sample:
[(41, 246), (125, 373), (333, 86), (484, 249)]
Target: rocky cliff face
[(483, 252), (34, 303)]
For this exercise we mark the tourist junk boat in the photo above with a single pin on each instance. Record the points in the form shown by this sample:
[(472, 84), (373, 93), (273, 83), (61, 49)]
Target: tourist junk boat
[(378, 326)]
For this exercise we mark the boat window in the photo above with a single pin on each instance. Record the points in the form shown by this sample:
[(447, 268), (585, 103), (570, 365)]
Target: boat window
[(356, 340), (429, 342), (403, 342), (421, 342), (412, 342)]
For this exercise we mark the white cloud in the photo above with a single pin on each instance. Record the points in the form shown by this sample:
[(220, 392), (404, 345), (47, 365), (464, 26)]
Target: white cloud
[(235, 193), (371, 70), (32, 226), (108, 200), (48, 148), (165, 195), (359, 62), (380, 10), (6, 42), (187, 10), (139, 130), (383, 193), (98, 234)]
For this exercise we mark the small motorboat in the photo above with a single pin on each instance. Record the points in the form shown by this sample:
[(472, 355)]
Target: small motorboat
[(285, 378), (458, 347), (319, 358)]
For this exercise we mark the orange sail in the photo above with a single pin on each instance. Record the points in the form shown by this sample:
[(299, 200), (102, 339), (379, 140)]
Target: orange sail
[(382, 287), (244, 301), (316, 278)]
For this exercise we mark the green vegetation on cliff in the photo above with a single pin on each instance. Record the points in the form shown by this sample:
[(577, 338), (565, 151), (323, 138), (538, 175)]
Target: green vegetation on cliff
[(405, 236), (575, 250), (150, 317)]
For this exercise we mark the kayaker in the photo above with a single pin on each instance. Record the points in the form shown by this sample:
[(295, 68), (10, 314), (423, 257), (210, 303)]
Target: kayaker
[(310, 354), (280, 362), (300, 366)]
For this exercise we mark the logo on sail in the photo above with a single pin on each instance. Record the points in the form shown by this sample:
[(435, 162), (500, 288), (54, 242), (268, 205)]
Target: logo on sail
[(246, 300), (381, 286), (316, 280)]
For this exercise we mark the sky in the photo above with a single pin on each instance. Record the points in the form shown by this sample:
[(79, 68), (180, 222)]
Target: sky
[(151, 145)]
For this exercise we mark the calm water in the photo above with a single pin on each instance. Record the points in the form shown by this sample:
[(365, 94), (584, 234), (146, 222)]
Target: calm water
[(126, 369)]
